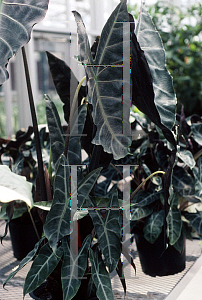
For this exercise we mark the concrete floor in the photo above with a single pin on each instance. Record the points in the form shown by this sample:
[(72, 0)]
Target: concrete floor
[(140, 286)]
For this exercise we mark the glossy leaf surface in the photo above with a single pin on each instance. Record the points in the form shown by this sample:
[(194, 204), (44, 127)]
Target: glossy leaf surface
[(100, 277), (74, 149), (55, 130), (174, 228), (109, 232), (165, 100), (73, 268), (58, 219), (25, 261), (153, 226), (62, 77), (183, 183), (43, 265), (105, 81), (195, 220), (16, 21)]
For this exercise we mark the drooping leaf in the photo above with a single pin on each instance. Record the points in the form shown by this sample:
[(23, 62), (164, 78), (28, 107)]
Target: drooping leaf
[(195, 220), (16, 21), (162, 113), (25, 261), (145, 197), (100, 276), (43, 265), (174, 227), (108, 231), (62, 77), (18, 212), (57, 223), (73, 268), (105, 81), (14, 187), (58, 220), (196, 130), (187, 157), (55, 130), (153, 226), (74, 149)]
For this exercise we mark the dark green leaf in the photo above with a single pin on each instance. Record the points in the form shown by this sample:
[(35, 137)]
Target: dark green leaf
[(196, 129), (73, 268), (62, 76), (43, 265), (162, 113), (195, 220), (55, 130), (108, 231), (58, 219), (100, 277), (187, 157), (16, 21), (153, 226), (197, 171), (25, 261), (174, 227), (74, 149), (105, 81), (183, 183), (145, 197), (138, 213)]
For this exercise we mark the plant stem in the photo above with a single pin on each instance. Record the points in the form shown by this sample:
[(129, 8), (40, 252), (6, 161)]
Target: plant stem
[(35, 128), (74, 103), (150, 176), (33, 223)]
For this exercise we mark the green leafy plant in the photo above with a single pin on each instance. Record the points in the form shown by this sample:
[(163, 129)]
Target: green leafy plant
[(180, 30), (87, 218)]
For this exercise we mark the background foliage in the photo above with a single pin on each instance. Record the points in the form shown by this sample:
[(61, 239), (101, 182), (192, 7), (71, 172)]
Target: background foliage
[(181, 31)]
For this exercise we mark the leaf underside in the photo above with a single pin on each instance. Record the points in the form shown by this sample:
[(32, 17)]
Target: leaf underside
[(16, 21)]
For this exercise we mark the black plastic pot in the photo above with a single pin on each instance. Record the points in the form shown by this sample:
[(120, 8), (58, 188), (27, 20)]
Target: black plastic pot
[(157, 262), (23, 235), (43, 292)]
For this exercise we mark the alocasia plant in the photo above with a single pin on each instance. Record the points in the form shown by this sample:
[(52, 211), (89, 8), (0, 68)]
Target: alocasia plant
[(93, 231)]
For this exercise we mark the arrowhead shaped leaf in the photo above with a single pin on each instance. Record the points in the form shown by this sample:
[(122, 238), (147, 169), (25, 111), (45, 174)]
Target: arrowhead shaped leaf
[(58, 219), (187, 157), (73, 268), (62, 76), (196, 129), (16, 21), (195, 220), (43, 265), (153, 226), (55, 130), (174, 227), (109, 232), (165, 99), (145, 197), (105, 80), (74, 149), (100, 276), (138, 213), (25, 261), (198, 179), (183, 183)]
